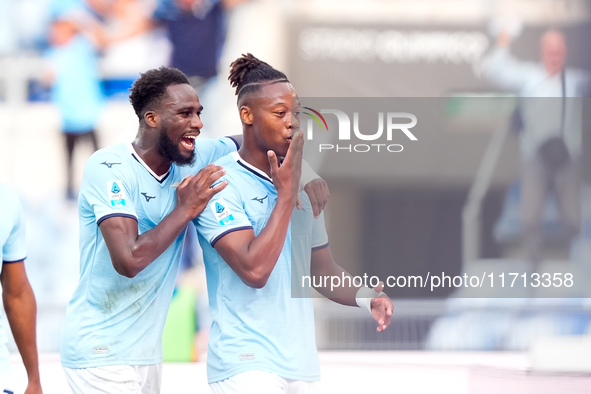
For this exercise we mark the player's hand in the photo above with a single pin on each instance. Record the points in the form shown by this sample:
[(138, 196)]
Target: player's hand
[(287, 177), (298, 203), (381, 308), (195, 191), (34, 388), (318, 192)]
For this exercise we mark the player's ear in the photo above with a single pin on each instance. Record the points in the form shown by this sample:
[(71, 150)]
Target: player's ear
[(246, 114), (151, 118)]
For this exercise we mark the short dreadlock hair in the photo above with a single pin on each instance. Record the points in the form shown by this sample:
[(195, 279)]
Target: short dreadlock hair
[(150, 87)]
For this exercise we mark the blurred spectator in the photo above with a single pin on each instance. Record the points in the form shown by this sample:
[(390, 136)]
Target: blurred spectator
[(128, 41), (75, 85), (550, 136), (197, 32)]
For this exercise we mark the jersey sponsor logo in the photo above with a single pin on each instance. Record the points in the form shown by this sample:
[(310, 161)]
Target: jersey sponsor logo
[(148, 198), (260, 199), (109, 164), (100, 350), (221, 212), (116, 194)]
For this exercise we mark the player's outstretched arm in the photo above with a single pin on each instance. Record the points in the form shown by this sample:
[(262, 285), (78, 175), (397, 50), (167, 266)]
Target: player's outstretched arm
[(253, 258), (131, 252), (21, 311), (323, 265)]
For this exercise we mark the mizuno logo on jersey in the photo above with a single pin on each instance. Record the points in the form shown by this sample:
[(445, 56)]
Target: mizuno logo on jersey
[(221, 212), (148, 198), (260, 199), (115, 193), (109, 164)]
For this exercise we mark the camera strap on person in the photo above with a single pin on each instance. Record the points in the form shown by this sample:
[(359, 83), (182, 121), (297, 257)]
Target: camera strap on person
[(553, 152)]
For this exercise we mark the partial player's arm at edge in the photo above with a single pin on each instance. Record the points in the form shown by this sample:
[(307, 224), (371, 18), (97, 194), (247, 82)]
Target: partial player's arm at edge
[(21, 311)]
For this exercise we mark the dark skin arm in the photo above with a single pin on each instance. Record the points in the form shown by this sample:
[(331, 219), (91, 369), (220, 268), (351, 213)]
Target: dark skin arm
[(21, 311), (323, 264), (253, 258), (131, 252)]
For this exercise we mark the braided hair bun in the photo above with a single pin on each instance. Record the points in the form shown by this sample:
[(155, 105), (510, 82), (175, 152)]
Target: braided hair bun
[(248, 74)]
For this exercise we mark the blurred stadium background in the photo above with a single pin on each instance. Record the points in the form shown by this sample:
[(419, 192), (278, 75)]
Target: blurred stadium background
[(460, 214)]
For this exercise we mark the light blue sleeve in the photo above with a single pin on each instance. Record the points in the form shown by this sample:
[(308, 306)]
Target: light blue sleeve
[(107, 190), (224, 214), (319, 235), (15, 247), (210, 150)]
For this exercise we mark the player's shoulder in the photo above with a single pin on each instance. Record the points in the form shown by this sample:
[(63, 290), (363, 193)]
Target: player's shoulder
[(112, 157), (203, 144), (227, 161), (234, 171)]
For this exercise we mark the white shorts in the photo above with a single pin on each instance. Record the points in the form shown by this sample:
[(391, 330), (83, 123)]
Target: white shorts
[(6, 382), (261, 382), (115, 379)]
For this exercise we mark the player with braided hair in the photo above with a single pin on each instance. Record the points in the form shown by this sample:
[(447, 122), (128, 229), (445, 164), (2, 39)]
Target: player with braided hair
[(262, 339)]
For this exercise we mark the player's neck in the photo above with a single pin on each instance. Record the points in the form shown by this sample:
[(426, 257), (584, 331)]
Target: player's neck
[(255, 157), (150, 155)]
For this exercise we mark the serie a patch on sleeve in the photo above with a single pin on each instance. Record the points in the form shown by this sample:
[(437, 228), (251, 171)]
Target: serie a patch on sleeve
[(116, 193), (221, 211)]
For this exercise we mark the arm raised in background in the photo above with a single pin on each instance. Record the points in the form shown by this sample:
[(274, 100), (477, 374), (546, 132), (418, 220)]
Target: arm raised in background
[(503, 69)]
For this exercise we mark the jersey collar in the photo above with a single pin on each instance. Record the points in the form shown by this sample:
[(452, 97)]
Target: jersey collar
[(159, 178), (250, 167)]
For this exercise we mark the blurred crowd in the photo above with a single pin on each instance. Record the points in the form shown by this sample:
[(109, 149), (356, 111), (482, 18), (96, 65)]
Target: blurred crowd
[(125, 36), (93, 50)]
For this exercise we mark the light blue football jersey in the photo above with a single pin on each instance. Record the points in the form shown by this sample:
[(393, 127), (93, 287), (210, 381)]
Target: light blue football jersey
[(112, 319), (12, 247), (255, 329)]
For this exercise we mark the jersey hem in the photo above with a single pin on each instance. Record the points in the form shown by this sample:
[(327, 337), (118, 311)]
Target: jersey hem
[(13, 261), (112, 215), (320, 247), (230, 230), (261, 367), (109, 363)]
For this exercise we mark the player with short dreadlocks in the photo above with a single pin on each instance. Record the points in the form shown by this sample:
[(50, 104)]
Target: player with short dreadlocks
[(262, 339)]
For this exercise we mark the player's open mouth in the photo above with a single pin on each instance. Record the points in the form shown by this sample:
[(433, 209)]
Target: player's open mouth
[(188, 141)]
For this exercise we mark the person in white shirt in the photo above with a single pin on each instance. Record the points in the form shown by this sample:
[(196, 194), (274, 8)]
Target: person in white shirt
[(550, 113)]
